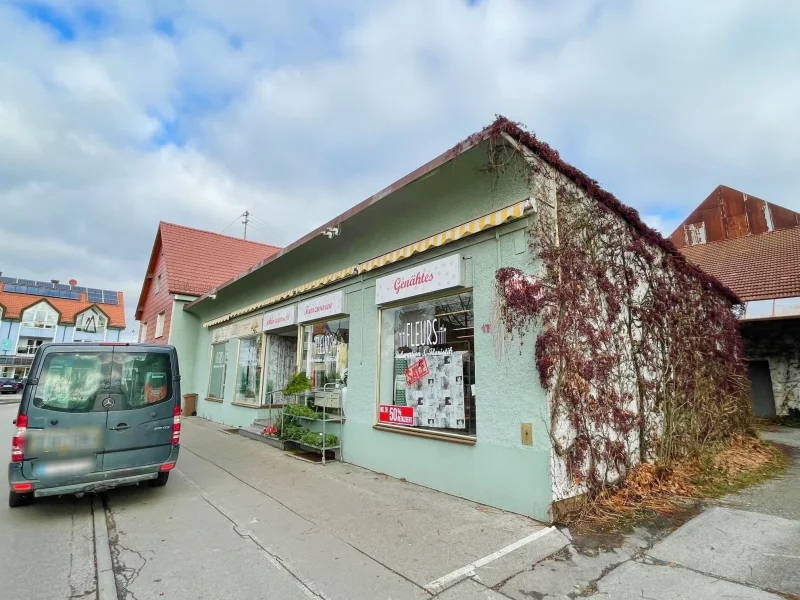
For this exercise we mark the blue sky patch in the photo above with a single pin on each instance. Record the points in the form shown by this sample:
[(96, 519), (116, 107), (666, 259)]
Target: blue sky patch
[(58, 21)]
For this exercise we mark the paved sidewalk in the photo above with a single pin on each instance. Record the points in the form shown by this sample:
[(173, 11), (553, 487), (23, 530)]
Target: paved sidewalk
[(424, 537), (722, 553), (339, 524)]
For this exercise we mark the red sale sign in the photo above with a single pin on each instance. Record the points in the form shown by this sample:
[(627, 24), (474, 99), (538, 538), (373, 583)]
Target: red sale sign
[(416, 371), (396, 415)]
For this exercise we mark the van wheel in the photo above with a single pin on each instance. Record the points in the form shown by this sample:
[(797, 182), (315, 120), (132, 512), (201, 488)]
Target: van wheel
[(161, 480), (15, 500)]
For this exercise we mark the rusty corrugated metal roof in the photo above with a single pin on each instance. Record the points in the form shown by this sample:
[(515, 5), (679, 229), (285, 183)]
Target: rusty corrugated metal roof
[(729, 214)]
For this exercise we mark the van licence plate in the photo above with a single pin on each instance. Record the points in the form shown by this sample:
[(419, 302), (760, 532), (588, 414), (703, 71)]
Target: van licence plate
[(75, 440), (63, 468)]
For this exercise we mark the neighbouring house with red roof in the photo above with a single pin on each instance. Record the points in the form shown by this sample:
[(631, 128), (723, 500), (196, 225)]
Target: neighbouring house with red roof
[(753, 247), (186, 263), (36, 312)]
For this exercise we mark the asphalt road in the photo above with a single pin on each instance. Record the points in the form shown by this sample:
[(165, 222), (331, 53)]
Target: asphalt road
[(10, 398)]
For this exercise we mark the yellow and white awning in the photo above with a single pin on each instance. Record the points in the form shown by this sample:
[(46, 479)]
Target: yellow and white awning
[(504, 215), (440, 239)]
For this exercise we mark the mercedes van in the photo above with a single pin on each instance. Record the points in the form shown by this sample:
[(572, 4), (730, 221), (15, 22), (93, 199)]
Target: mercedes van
[(95, 417)]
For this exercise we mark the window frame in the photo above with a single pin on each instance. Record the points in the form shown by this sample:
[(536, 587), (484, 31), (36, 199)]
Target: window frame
[(160, 318), (143, 332), (47, 309), (221, 397), (100, 314), (257, 393), (459, 438)]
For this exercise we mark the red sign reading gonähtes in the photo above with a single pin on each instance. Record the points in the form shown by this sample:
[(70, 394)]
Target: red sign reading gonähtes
[(416, 371)]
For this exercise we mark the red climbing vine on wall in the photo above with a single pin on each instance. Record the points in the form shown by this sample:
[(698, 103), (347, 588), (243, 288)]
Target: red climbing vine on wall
[(639, 351)]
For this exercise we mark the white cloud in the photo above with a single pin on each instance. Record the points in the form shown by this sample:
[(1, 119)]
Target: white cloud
[(298, 111)]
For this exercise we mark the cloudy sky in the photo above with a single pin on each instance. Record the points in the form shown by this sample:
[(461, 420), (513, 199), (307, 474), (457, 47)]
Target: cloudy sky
[(115, 114)]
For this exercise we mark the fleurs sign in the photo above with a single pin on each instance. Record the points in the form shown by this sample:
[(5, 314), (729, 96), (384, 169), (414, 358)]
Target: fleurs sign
[(396, 415), (443, 274), (240, 328), (321, 307), (279, 318), (416, 371)]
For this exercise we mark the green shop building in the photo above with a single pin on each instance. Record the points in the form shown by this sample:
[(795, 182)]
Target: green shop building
[(391, 310)]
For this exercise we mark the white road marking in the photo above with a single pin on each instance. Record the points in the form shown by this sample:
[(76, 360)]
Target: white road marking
[(442, 583)]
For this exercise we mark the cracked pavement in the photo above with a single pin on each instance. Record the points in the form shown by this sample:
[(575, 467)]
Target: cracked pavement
[(239, 519)]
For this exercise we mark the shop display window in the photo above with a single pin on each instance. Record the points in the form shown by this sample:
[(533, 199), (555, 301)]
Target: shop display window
[(249, 368), (427, 365), (325, 347)]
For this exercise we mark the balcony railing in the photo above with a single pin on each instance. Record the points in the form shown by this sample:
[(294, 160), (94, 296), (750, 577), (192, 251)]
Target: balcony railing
[(20, 361)]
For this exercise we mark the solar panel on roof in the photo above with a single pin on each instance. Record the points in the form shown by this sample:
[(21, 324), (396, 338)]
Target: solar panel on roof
[(113, 301), (8, 280), (11, 288), (78, 288), (32, 290), (26, 282), (44, 284), (63, 287)]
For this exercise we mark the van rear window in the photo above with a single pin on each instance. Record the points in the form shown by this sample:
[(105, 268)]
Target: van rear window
[(78, 382), (145, 378), (71, 382)]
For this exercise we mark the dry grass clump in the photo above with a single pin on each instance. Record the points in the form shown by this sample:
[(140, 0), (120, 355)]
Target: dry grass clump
[(670, 490)]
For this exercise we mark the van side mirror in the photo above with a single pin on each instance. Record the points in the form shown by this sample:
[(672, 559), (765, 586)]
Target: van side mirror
[(14, 422)]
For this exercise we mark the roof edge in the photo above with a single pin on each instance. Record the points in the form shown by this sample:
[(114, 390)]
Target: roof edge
[(137, 313), (543, 152)]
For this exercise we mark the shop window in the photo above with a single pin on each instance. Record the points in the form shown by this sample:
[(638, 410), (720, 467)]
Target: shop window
[(325, 347), (281, 365), (219, 366), (427, 365), (248, 372), (41, 315)]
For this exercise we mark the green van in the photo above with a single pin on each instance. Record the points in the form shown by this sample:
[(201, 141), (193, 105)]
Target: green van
[(94, 417)]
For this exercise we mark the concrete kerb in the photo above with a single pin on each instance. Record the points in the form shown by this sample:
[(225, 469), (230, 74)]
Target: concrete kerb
[(106, 583)]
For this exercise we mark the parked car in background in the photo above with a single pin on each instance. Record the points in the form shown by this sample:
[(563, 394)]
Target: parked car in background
[(11, 386), (95, 417)]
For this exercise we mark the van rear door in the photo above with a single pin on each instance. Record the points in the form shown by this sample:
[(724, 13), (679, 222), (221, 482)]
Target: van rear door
[(141, 407), (66, 417)]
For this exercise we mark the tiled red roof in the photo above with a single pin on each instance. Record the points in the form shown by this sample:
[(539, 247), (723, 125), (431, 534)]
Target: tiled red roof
[(757, 267), (13, 305), (198, 260)]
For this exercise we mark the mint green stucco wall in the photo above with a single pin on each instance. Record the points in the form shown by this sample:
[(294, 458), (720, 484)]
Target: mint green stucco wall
[(183, 333), (498, 469)]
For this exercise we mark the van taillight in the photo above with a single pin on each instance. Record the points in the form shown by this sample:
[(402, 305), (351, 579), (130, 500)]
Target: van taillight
[(18, 441), (176, 424)]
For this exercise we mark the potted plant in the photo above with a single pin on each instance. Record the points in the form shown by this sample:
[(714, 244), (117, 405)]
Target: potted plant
[(298, 384)]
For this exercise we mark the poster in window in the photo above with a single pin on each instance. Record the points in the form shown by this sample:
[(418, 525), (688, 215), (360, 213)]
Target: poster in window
[(438, 398)]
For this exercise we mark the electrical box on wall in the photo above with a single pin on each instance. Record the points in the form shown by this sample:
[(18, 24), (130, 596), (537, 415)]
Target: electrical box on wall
[(526, 434)]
